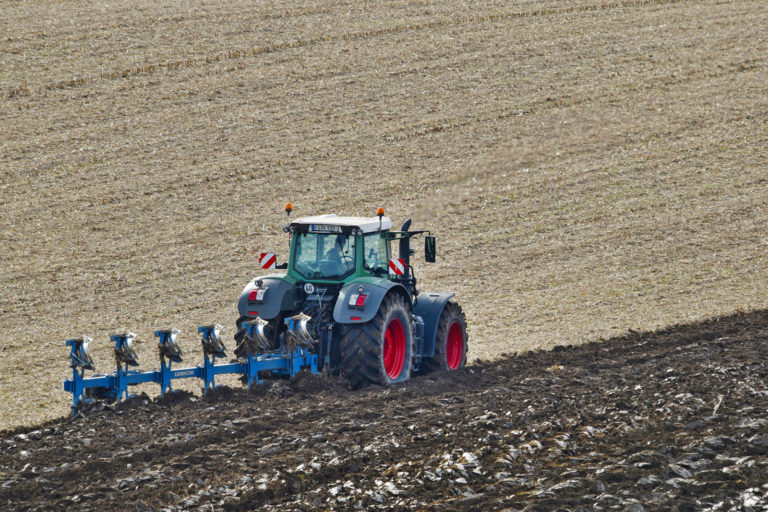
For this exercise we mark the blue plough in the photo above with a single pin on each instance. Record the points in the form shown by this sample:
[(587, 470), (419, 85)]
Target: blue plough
[(288, 360)]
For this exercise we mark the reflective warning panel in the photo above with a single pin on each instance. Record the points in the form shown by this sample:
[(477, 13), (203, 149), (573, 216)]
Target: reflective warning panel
[(268, 260), (397, 266)]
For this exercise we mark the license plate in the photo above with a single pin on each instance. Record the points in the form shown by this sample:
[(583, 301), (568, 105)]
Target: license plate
[(324, 228)]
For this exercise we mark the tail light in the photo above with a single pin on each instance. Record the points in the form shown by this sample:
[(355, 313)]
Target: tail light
[(357, 300), (257, 294)]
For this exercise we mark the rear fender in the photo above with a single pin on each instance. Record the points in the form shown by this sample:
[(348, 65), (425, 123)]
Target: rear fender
[(375, 292), (429, 306), (279, 295)]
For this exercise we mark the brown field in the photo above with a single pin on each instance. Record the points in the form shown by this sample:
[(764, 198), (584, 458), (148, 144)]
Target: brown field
[(589, 166)]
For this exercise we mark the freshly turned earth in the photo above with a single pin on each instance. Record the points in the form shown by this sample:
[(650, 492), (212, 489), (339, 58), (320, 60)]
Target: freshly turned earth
[(667, 420)]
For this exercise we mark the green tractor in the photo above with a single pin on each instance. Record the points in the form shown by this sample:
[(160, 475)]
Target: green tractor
[(356, 303)]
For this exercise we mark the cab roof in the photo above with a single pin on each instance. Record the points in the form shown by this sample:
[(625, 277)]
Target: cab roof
[(320, 223)]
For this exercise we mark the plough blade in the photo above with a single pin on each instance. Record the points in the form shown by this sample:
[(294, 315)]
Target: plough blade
[(297, 334), (124, 352), (212, 344), (79, 356), (256, 339), (167, 346)]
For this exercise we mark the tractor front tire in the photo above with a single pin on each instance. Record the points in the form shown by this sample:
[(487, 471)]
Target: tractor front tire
[(379, 351), (451, 342)]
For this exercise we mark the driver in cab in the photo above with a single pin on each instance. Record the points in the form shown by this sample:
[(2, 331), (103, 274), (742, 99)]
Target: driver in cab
[(336, 261)]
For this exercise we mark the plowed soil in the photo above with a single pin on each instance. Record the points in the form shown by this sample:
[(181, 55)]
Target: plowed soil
[(668, 420)]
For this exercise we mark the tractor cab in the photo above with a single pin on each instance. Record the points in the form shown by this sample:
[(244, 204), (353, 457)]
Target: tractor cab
[(337, 249)]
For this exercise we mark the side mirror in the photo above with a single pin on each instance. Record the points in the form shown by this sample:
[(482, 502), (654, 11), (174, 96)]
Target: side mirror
[(430, 249)]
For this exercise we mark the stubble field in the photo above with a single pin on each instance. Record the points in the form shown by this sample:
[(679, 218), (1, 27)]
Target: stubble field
[(589, 167)]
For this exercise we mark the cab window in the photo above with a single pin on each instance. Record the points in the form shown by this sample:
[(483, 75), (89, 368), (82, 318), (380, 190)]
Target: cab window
[(324, 256), (376, 252)]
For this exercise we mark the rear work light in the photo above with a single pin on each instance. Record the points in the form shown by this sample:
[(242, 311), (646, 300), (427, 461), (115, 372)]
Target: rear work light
[(357, 300)]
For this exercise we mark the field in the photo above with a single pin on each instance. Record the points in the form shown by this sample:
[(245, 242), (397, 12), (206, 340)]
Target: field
[(590, 167), (622, 425)]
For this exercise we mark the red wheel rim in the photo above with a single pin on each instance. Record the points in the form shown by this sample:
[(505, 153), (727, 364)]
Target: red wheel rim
[(394, 348), (454, 346)]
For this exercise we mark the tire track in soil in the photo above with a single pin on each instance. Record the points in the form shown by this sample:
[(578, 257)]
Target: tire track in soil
[(673, 419), (353, 36)]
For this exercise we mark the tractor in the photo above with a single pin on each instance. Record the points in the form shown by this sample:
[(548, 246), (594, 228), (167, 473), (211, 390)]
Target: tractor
[(357, 303)]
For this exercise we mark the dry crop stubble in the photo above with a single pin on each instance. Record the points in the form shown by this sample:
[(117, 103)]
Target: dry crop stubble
[(592, 166)]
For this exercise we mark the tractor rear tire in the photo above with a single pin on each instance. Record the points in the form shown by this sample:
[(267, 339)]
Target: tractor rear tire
[(451, 342), (379, 351), (240, 332)]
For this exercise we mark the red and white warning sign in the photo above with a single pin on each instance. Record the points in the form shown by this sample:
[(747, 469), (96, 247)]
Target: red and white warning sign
[(397, 266), (268, 260)]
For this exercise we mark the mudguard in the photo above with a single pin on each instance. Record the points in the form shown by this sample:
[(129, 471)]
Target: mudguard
[(278, 295), (375, 289), (429, 306)]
